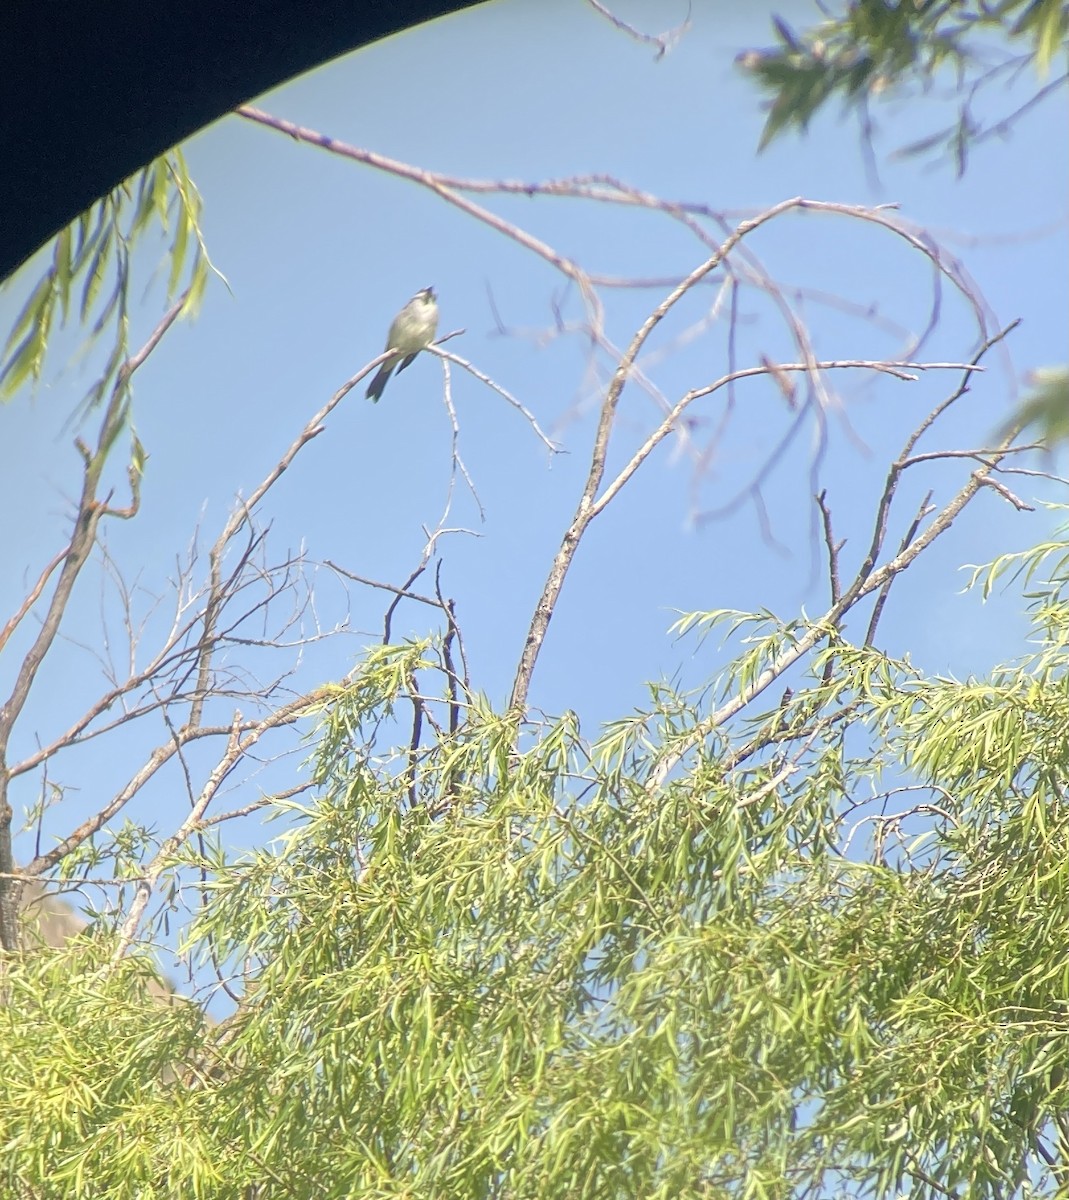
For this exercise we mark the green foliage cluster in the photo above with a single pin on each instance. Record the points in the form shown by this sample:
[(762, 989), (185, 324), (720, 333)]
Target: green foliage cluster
[(879, 45), (810, 951), (563, 971), (90, 271)]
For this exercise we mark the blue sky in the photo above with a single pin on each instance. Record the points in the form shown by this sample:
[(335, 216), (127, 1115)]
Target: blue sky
[(321, 252)]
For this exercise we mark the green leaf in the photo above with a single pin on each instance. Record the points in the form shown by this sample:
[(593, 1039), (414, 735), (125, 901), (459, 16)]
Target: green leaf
[(1050, 33), (98, 265), (1047, 408), (196, 290), (26, 361), (145, 207), (101, 240), (138, 457), (161, 196), (178, 253), (34, 312), (110, 305), (90, 229), (61, 260)]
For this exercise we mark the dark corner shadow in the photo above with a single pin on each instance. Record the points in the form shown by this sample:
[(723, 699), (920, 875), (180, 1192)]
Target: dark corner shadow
[(91, 92)]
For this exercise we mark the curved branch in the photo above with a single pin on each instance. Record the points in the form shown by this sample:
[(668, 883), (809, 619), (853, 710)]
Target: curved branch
[(587, 508)]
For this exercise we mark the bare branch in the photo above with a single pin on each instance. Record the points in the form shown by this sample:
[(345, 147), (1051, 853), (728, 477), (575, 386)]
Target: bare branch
[(833, 548), (237, 748), (587, 508), (161, 755), (264, 802), (550, 445), (1006, 494), (456, 462), (438, 184), (925, 509), (240, 517), (32, 596), (867, 580), (89, 512), (899, 465), (662, 41), (386, 587)]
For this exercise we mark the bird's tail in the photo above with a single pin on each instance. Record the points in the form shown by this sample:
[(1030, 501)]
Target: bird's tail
[(374, 390)]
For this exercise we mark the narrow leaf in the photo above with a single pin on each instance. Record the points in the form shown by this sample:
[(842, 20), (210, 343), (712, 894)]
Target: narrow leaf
[(34, 311), (98, 264), (25, 361)]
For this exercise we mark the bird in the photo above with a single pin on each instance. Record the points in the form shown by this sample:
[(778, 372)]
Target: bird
[(411, 331)]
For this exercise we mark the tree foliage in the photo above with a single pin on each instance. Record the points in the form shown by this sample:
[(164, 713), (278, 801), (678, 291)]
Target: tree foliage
[(542, 972), (797, 931), (878, 47), (90, 273)]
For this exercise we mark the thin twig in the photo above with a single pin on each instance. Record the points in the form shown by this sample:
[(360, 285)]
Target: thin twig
[(456, 461), (237, 747), (1006, 494), (867, 580), (924, 509), (443, 187), (32, 596), (89, 513), (587, 508), (662, 41), (549, 444), (833, 548)]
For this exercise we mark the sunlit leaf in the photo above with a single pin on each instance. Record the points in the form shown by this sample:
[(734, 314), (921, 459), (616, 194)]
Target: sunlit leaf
[(24, 363), (138, 457), (62, 263), (34, 311), (96, 269), (1046, 409)]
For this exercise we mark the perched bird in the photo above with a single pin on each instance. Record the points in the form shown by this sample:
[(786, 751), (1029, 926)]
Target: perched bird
[(412, 330)]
